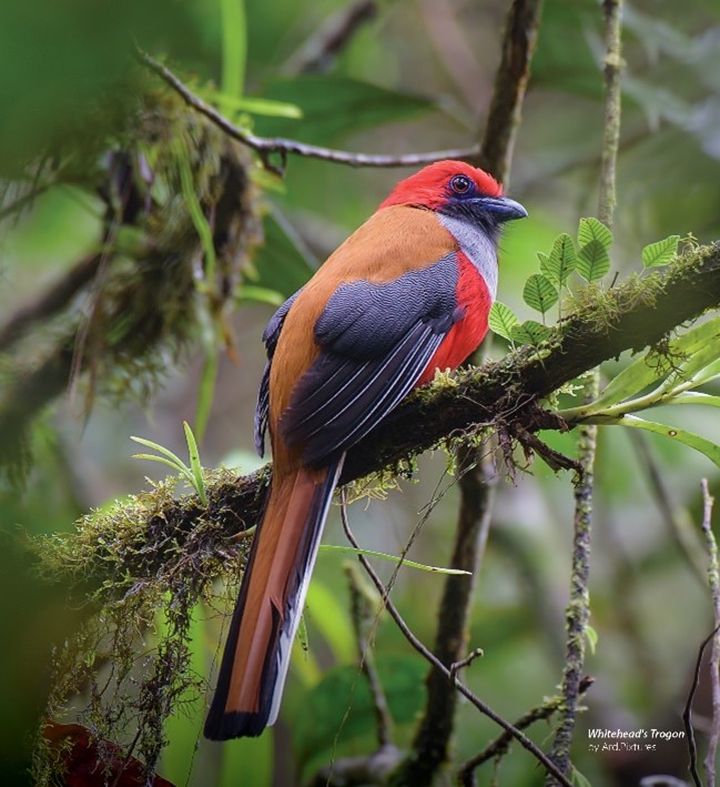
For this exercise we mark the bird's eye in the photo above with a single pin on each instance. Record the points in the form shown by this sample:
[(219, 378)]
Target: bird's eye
[(461, 184)]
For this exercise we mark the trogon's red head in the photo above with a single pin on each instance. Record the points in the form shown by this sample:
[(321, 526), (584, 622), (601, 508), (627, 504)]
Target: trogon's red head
[(454, 187)]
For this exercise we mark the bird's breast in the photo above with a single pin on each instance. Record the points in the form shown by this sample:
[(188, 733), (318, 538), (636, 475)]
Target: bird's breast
[(474, 299)]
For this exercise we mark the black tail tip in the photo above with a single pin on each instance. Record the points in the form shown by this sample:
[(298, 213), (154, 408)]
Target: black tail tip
[(226, 726)]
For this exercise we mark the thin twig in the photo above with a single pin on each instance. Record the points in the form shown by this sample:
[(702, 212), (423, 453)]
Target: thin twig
[(485, 709), (456, 666), (555, 460), (577, 613), (714, 582), (317, 54), (498, 747), (342, 766), (578, 609), (280, 147), (687, 712)]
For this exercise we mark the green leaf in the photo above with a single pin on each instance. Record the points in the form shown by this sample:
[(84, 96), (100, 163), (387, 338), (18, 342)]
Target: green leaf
[(327, 703), (530, 332), (174, 458), (592, 638), (592, 229), (593, 261), (392, 558), (660, 253), (710, 449), (710, 372), (594, 240), (202, 226), (249, 292), (181, 469), (562, 260), (234, 46), (640, 374), (539, 293), (502, 319), (694, 365), (254, 106), (695, 397), (195, 466), (326, 608), (334, 105)]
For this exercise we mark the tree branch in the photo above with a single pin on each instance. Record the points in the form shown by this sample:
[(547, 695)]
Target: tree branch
[(631, 316), (687, 711), (498, 747), (511, 81), (267, 147)]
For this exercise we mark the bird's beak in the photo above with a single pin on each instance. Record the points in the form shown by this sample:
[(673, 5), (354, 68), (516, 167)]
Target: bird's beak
[(503, 208)]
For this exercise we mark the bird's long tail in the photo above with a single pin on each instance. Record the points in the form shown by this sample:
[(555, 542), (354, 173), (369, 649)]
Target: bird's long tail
[(271, 600)]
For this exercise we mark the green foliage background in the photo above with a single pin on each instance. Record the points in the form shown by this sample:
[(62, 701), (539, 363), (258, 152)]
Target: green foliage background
[(404, 83)]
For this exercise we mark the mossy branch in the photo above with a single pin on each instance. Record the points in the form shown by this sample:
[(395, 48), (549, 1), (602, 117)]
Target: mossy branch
[(631, 316), (577, 613)]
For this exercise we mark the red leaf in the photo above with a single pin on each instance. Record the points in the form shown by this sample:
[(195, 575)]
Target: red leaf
[(94, 762)]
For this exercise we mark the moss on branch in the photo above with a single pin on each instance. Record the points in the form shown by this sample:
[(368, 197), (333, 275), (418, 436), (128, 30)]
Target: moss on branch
[(149, 288), (631, 316)]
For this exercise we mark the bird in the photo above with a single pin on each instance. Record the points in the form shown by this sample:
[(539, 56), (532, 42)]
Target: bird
[(406, 294)]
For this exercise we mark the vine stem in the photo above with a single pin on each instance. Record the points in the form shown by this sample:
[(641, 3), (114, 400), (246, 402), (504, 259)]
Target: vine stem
[(577, 613)]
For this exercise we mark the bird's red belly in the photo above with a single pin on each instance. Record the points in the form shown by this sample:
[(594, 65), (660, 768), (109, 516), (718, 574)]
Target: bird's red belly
[(467, 334)]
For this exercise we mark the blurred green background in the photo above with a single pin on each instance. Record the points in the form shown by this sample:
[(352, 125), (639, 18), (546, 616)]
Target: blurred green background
[(417, 75)]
